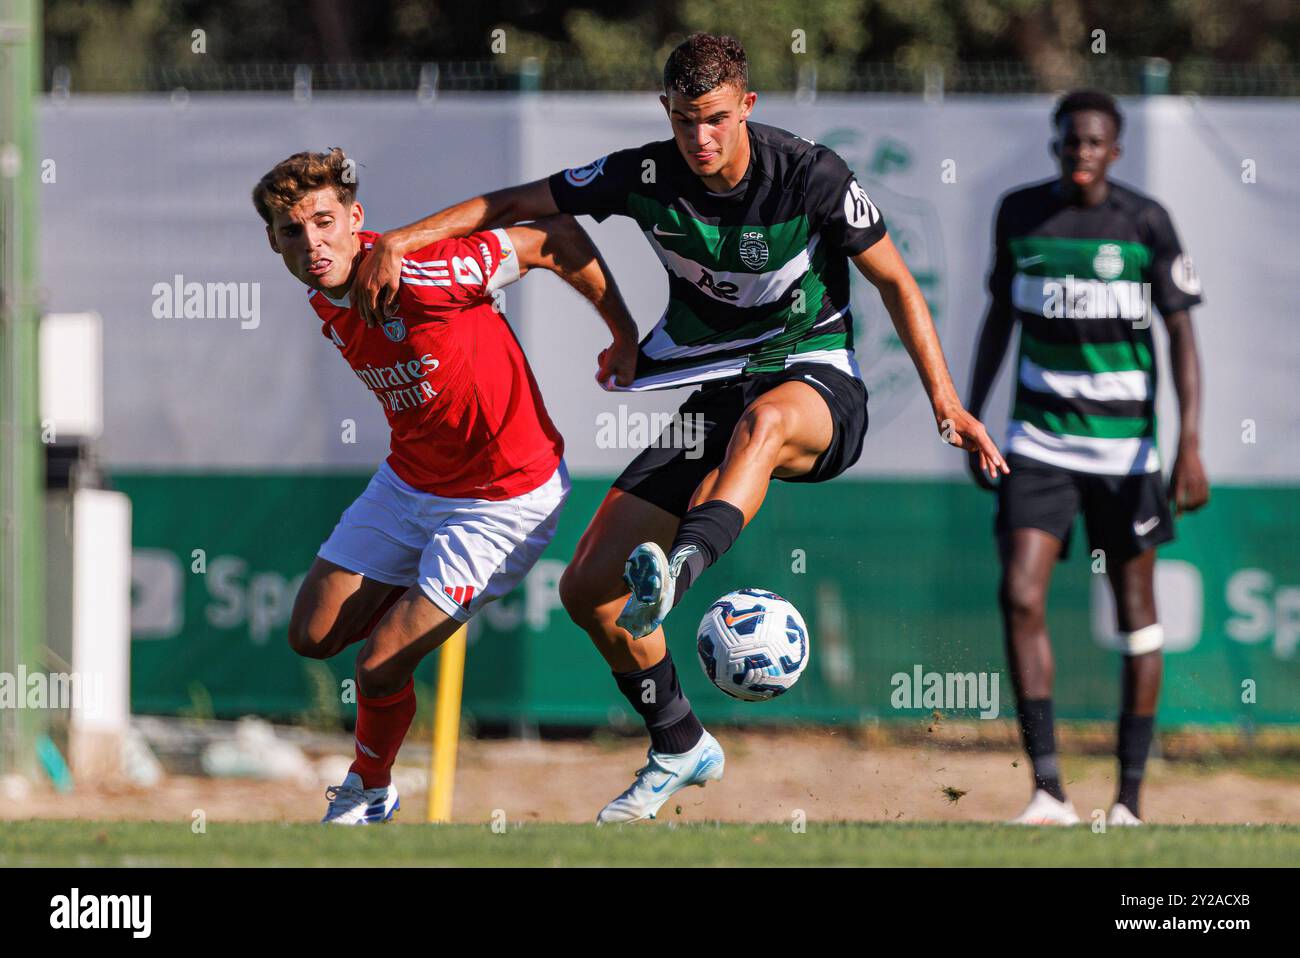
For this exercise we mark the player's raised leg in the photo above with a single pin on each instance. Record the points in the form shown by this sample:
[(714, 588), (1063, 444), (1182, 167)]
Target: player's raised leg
[(1133, 583), (336, 607), (1028, 556), (681, 752), (781, 433)]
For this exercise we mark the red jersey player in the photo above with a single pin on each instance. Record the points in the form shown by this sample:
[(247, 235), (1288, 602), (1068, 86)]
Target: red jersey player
[(472, 489)]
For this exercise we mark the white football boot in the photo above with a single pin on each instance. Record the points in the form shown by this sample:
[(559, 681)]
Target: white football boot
[(352, 804), (653, 581), (662, 776), (1043, 809), (1120, 815)]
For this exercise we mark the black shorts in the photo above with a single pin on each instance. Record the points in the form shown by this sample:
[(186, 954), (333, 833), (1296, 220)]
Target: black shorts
[(668, 472), (1124, 515)]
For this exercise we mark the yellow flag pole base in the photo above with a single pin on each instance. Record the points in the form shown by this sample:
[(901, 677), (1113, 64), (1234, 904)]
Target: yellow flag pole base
[(446, 727)]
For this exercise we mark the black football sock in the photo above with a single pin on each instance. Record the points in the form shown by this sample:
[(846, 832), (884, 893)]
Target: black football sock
[(1134, 743), (706, 532), (658, 699), (1039, 732)]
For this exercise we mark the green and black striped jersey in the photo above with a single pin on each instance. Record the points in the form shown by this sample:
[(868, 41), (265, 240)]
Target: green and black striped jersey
[(1082, 282), (758, 276)]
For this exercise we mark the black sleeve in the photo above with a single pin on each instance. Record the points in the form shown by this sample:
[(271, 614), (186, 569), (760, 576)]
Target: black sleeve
[(1004, 268), (1175, 284), (838, 207), (600, 188)]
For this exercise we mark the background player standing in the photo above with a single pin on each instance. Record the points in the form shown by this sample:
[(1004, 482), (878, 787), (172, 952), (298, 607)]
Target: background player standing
[(1079, 260), (755, 228), (472, 491)]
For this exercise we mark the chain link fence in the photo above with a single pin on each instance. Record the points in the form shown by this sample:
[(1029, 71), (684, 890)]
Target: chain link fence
[(1117, 76)]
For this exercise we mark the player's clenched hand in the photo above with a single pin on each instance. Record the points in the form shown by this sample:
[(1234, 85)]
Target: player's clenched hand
[(617, 362), (377, 281), (1189, 489), (964, 431)]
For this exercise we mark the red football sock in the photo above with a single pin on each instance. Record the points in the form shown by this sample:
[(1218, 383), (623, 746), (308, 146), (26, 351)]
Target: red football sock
[(381, 726), (382, 611)]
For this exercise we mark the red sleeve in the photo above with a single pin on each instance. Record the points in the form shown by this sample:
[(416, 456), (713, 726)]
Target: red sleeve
[(455, 273)]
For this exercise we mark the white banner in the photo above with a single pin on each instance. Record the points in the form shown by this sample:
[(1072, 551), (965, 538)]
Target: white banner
[(143, 196)]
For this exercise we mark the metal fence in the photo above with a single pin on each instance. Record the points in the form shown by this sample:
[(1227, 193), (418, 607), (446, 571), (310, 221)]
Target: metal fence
[(1116, 75)]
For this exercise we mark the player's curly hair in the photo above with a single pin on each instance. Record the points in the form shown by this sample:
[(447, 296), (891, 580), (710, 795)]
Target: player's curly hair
[(1076, 101), (703, 62), (293, 178)]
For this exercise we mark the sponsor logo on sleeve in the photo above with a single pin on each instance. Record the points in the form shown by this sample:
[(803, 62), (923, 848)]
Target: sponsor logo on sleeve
[(1183, 272), (858, 208), (582, 175)]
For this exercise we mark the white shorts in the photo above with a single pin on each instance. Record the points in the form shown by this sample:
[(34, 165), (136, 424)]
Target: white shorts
[(463, 553)]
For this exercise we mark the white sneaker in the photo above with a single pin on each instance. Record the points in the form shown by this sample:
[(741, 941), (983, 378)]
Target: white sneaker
[(653, 584), (351, 804), (1120, 815), (1043, 809), (662, 777)]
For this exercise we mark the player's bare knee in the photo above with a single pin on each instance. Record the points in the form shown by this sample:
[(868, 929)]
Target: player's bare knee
[(1022, 598), (311, 642), (1134, 612), (763, 424), (581, 593)]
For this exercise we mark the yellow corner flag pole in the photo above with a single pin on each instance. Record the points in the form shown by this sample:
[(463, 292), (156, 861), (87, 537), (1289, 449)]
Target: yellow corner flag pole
[(446, 727)]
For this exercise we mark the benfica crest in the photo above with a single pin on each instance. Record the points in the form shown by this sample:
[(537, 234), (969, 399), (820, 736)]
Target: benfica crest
[(395, 329), (753, 249)]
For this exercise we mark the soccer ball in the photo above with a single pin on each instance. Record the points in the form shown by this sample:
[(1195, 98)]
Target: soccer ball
[(753, 644)]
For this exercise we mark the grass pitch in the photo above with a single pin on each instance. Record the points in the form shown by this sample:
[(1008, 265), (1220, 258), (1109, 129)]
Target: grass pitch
[(44, 843)]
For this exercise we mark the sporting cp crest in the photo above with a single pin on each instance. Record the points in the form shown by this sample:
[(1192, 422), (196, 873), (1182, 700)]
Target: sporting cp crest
[(395, 329), (1108, 264), (753, 250)]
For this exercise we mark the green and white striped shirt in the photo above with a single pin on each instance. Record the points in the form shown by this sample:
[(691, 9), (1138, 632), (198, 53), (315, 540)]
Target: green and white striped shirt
[(1082, 281), (758, 276)]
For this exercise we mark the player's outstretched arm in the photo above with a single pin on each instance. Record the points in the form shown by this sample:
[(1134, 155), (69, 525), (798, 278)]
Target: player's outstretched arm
[(561, 245), (1189, 488), (884, 267), (379, 275)]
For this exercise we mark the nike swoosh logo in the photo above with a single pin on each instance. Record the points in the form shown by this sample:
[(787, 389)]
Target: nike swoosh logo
[(732, 620), (658, 232), (659, 788), (1028, 261), (817, 381), (1142, 528)]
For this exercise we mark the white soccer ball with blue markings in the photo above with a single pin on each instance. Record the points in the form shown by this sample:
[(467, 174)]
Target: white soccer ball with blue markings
[(753, 644)]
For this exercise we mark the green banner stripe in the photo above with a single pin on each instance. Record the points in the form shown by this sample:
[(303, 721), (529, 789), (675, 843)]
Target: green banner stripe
[(215, 642)]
